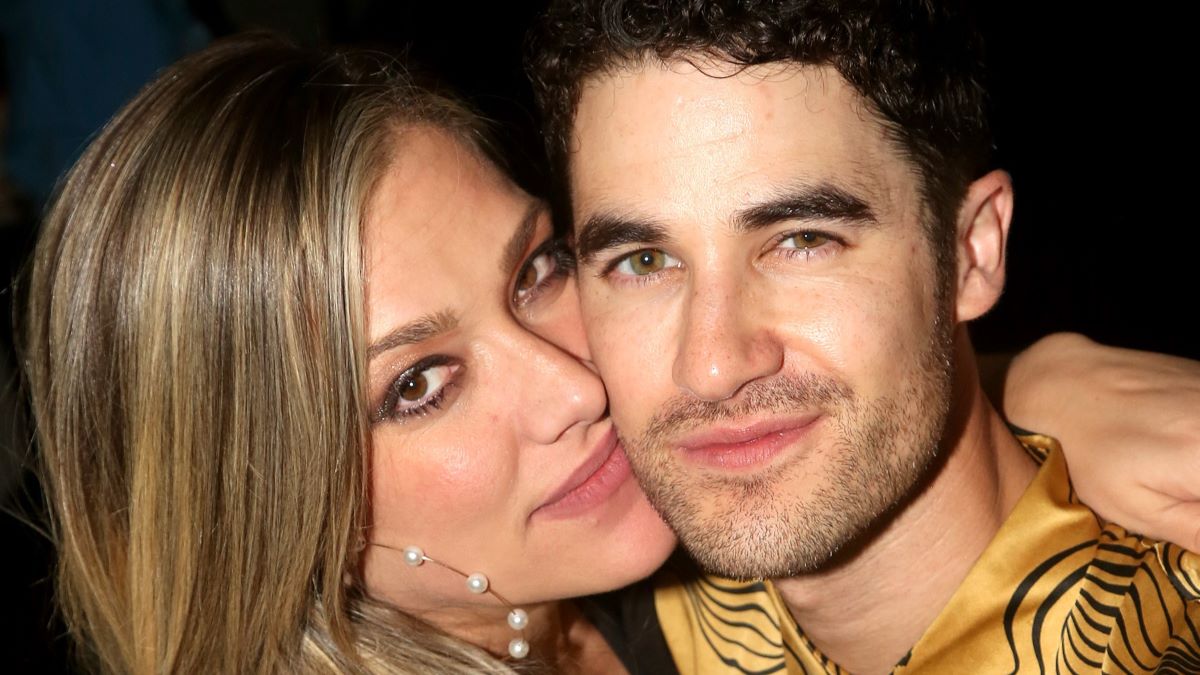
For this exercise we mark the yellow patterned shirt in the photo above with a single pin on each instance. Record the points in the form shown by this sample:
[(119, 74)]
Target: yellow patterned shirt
[(1055, 591)]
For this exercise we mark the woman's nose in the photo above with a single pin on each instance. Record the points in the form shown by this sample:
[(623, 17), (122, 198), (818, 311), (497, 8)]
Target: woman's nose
[(552, 389)]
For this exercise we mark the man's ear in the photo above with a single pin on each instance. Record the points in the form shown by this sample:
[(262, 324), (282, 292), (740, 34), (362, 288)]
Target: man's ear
[(981, 239)]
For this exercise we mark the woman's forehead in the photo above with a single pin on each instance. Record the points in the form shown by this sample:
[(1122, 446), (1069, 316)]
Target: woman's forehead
[(439, 229), (436, 189)]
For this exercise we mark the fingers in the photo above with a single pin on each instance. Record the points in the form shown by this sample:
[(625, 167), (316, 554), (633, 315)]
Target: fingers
[(1179, 524)]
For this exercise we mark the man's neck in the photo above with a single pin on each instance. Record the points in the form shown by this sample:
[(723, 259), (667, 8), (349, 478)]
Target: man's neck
[(867, 612)]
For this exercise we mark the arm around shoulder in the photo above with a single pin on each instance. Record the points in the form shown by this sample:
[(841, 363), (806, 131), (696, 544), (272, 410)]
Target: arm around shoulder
[(1129, 423)]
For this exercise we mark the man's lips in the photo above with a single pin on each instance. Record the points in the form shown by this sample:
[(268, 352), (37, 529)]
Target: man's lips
[(745, 445), (600, 474)]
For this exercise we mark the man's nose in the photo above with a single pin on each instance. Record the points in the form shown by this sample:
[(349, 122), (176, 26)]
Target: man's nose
[(726, 341)]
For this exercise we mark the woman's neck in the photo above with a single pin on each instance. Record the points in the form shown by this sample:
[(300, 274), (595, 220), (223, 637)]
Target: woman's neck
[(559, 635)]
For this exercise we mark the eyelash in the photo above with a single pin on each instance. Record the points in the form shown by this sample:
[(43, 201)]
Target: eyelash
[(829, 248), (387, 410), (635, 281), (825, 250), (564, 264)]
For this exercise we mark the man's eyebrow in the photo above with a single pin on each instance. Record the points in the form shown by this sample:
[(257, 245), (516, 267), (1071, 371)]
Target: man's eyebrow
[(806, 202), (603, 231), (520, 240), (419, 330)]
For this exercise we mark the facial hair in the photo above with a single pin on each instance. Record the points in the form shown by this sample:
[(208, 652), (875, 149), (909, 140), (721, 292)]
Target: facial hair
[(770, 525)]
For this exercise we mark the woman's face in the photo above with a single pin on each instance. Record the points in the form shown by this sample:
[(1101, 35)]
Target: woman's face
[(492, 447)]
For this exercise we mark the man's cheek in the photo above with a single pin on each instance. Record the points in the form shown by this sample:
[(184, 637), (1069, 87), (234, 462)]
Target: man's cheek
[(618, 330), (878, 339), (635, 341), (633, 376), (632, 370)]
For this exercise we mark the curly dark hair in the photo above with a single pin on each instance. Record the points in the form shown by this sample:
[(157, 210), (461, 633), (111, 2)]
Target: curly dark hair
[(917, 62)]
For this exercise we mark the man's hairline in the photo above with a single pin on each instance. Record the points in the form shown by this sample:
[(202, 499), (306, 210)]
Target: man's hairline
[(863, 105)]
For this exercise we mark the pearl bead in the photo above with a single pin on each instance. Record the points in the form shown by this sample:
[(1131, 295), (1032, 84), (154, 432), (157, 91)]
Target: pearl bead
[(414, 556), (518, 648), (477, 583), (518, 619)]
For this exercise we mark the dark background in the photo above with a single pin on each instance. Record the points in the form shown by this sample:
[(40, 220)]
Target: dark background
[(1089, 116)]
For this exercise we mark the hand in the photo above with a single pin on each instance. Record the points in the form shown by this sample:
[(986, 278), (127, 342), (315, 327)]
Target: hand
[(1129, 423)]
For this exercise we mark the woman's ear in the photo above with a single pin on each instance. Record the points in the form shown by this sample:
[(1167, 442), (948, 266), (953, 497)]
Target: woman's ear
[(982, 235)]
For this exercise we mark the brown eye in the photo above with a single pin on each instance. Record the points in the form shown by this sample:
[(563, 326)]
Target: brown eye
[(537, 272), (645, 262), (419, 388), (528, 279), (804, 240), (415, 388)]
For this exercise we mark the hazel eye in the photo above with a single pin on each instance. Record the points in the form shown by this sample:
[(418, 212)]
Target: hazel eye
[(805, 240), (646, 261)]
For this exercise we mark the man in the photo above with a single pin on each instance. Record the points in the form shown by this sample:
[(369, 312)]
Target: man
[(784, 219)]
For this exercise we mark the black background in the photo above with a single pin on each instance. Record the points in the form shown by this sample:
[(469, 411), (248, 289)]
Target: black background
[(1089, 117)]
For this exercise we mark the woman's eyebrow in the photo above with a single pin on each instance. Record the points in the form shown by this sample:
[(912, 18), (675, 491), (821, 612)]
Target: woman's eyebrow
[(515, 249), (419, 330)]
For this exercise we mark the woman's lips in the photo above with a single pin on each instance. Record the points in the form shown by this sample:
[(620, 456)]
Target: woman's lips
[(745, 446), (605, 470)]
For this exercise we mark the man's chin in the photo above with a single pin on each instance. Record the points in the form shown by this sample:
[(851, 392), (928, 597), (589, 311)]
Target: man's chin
[(752, 564), (802, 520), (759, 545)]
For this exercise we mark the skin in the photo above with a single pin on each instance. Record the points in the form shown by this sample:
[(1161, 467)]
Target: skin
[(465, 480), (742, 354), (1153, 455), (671, 159)]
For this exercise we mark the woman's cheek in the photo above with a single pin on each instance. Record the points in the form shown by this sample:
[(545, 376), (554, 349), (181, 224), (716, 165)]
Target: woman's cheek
[(469, 471)]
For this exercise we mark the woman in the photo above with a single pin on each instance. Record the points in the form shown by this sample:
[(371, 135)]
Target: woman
[(292, 412), (224, 404)]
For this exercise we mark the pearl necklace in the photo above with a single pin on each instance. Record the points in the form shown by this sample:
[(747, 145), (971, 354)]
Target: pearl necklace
[(477, 583)]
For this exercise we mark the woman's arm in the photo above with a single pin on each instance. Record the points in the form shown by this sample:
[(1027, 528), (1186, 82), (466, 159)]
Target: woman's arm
[(1129, 423)]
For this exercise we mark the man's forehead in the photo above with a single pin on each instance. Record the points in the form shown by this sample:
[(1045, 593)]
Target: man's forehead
[(683, 127), (696, 97)]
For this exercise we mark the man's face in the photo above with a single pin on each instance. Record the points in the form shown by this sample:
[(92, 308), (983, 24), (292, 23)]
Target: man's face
[(762, 302)]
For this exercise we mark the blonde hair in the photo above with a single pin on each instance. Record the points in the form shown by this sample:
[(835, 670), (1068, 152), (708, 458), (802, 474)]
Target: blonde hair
[(194, 345)]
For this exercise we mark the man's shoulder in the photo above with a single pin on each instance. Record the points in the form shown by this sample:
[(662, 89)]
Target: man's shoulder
[(1058, 589), (1114, 544), (1117, 602)]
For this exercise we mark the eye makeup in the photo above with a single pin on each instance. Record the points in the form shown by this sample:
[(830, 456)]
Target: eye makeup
[(419, 390), (548, 264)]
